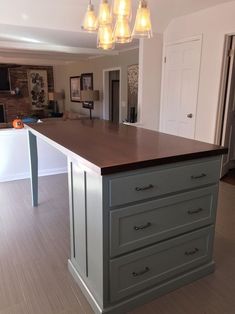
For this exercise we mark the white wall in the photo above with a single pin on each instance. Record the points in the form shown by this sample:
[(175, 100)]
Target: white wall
[(213, 24), (96, 66), (14, 156), (150, 63)]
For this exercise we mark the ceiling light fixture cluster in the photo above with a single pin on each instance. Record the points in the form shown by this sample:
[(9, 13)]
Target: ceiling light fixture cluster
[(113, 24)]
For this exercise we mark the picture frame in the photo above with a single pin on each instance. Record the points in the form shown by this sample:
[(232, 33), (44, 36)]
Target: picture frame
[(87, 84), (75, 88), (38, 88), (132, 91), (87, 81)]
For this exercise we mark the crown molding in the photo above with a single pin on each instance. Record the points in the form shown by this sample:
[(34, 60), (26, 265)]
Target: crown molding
[(9, 46)]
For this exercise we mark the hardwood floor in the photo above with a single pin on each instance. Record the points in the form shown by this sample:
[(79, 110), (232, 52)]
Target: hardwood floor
[(34, 247)]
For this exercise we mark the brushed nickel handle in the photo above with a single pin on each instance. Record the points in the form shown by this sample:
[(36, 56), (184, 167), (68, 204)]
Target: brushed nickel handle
[(144, 188), (190, 115), (190, 253), (201, 176), (196, 211), (142, 227), (141, 273)]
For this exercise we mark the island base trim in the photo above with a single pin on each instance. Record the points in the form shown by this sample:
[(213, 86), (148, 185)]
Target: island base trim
[(145, 296), (85, 290)]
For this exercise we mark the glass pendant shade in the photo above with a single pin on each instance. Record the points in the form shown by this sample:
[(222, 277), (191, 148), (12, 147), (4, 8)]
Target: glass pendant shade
[(122, 8), (143, 25), (90, 21), (122, 13), (105, 16), (105, 37), (122, 31)]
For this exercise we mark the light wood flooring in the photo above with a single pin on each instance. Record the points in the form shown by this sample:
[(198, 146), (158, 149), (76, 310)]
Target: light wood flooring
[(34, 247)]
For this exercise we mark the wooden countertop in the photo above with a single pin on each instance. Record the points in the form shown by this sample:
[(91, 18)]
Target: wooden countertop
[(109, 148)]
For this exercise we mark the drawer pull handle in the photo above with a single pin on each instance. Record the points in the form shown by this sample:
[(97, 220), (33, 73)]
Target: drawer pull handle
[(196, 211), (190, 253), (145, 188), (141, 273), (138, 228), (203, 175)]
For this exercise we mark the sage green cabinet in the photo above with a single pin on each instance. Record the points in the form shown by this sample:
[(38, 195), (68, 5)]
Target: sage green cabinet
[(139, 270), (140, 225), (139, 234), (177, 177)]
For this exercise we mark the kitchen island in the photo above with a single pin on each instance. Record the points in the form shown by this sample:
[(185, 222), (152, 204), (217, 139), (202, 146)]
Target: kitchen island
[(142, 208)]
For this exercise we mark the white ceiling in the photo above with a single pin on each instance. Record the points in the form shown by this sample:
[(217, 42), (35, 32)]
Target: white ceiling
[(55, 25)]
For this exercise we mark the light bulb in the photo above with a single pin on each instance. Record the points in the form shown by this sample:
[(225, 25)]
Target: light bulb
[(105, 37), (90, 20), (105, 16), (122, 31), (143, 25), (122, 8)]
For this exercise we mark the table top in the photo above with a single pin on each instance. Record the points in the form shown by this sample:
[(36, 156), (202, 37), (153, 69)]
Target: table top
[(109, 148)]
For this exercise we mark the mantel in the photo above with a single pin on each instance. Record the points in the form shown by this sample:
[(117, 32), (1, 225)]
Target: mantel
[(9, 95)]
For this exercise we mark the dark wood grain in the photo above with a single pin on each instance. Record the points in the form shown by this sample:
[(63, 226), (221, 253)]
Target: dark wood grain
[(115, 147)]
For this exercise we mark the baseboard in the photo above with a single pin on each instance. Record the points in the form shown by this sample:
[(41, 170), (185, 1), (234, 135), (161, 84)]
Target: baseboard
[(26, 175), (51, 172)]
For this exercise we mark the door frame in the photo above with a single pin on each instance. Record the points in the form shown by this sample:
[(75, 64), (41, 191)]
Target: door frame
[(115, 81), (223, 104), (106, 92), (173, 43), (222, 92)]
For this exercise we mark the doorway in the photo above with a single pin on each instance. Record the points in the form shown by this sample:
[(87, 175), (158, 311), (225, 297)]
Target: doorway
[(114, 101), (226, 116), (181, 72), (112, 90)]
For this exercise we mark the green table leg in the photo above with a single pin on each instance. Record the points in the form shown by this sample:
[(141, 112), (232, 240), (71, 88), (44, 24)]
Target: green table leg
[(33, 157)]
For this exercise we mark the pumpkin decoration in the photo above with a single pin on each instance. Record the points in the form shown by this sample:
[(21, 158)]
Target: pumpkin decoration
[(18, 124)]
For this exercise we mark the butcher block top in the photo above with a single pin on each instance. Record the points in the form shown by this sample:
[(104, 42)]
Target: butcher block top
[(109, 148)]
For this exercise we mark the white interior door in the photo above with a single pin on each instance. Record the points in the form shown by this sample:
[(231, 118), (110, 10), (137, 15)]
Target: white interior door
[(180, 88), (228, 136)]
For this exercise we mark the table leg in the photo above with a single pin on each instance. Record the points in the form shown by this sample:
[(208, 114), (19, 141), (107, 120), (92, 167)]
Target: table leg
[(33, 157)]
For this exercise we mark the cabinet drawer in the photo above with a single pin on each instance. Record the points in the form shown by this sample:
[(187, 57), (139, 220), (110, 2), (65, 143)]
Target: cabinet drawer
[(136, 226), (151, 266), (168, 179)]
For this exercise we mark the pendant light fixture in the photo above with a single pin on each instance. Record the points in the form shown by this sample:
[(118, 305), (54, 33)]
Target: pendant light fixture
[(105, 38), (122, 8), (143, 25), (122, 31), (122, 13), (105, 32), (104, 16), (90, 23)]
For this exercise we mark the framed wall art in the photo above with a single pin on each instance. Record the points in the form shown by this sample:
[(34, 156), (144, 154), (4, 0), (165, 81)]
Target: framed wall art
[(38, 88), (75, 88), (132, 90), (87, 81)]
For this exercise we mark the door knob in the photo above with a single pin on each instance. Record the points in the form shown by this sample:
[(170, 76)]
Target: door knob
[(190, 115)]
